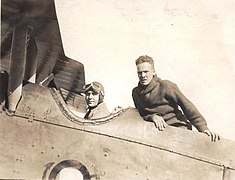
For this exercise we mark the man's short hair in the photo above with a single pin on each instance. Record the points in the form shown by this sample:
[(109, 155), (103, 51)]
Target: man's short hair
[(143, 59)]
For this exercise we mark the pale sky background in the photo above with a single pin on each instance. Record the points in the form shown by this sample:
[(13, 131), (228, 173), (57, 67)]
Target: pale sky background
[(192, 43)]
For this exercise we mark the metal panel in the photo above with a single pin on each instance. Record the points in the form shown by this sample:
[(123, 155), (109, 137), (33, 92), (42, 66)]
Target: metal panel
[(132, 127), (229, 174), (39, 137), (27, 147)]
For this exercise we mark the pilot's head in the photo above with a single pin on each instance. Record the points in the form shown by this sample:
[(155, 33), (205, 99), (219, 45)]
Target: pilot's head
[(145, 69), (94, 94)]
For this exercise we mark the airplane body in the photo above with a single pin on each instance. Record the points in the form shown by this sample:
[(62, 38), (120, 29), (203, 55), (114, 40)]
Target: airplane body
[(42, 137), (43, 133)]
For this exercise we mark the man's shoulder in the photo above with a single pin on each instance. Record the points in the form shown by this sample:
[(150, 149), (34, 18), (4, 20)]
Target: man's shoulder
[(102, 109), (168, 84), (134, 89), (168, 87), (103, 105)]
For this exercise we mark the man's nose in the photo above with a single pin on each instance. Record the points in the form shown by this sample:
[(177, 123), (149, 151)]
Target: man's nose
[(142, 74), (90, 96)]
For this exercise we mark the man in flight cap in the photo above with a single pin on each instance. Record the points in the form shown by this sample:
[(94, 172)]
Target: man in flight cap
[(94, 96)]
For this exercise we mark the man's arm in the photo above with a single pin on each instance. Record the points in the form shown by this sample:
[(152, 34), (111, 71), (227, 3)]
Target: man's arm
[(192, 113), (155, 118), (189, 109)]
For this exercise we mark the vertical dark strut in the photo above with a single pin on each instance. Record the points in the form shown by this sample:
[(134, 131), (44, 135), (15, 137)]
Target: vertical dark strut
[(31, 61), (17, 66)]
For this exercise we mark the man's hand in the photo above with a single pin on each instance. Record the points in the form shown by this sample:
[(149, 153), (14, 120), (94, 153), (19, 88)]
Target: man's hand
[(159, 122), (214, 136)]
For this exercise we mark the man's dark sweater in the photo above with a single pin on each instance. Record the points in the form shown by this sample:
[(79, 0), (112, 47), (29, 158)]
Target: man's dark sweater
[(163, 98)]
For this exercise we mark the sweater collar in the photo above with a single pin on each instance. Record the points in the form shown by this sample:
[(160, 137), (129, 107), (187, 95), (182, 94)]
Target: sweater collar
[(92, 110), (153, 84)]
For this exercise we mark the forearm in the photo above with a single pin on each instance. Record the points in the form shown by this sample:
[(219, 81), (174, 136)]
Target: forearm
[(191, 112), (151, 117)]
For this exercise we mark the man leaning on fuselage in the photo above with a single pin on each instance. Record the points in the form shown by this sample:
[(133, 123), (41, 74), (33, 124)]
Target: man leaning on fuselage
[(159, 100)]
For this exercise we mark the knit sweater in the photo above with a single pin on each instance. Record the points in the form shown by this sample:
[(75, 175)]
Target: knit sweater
[(163, 98)]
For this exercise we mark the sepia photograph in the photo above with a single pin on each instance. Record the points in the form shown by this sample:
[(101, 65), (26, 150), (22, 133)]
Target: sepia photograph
[(105, 89)]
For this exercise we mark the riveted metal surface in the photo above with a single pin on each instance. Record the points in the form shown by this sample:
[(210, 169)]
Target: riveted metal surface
[(30, 149), (128, 126), (40, 135)]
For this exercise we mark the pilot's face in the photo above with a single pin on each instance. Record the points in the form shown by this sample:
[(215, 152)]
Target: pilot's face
[(92, 98), (145, 73)]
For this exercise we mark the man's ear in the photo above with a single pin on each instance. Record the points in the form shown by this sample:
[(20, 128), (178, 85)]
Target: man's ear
[(154, 71)]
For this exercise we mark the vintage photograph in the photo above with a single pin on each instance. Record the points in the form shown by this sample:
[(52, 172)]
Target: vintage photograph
[(98, 89)]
